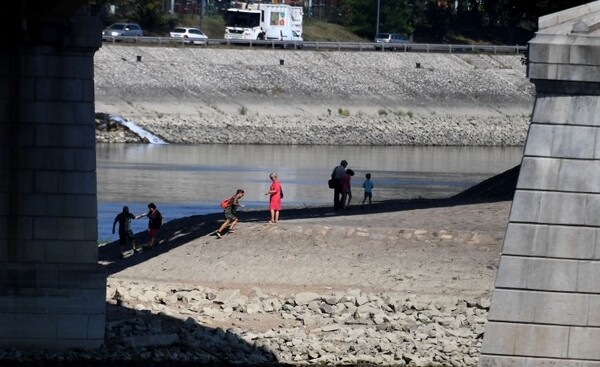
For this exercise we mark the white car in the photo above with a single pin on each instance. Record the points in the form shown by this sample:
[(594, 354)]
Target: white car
[(189, 35), (122, 30), (392, 41)]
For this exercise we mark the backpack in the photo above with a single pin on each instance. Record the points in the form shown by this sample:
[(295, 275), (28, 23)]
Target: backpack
[(225, 203)]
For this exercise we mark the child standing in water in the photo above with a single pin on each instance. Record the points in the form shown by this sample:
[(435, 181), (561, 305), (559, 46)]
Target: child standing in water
[(368, 186)]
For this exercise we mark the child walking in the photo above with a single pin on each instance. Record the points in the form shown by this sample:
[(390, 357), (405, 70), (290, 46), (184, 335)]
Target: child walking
[(368, 186), (230, 212)]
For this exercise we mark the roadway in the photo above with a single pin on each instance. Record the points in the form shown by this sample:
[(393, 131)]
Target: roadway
[(326, 45)]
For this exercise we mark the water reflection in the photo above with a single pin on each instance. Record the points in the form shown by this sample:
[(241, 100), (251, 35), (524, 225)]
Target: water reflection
[(181, 173)]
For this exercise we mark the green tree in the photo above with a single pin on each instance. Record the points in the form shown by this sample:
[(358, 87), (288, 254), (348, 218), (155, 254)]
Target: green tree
[(544, 7), (150, 14), (468, 12), (396, 17), (360, 16), (514, 14), (438, 16)]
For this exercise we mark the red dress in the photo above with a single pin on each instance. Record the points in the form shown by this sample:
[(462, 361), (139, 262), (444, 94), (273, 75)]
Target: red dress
[(275, 198)]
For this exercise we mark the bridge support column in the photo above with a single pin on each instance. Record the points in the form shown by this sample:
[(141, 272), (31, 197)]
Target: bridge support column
[(546, 305), (52, 290)]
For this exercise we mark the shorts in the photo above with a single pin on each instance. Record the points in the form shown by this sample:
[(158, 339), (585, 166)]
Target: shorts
[(230, 215), (368, 195)]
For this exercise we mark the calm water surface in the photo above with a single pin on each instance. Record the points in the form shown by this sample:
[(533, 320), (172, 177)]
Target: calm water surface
[(185, 180)]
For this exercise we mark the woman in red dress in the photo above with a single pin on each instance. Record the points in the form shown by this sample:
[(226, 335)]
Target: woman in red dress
[(275, 197)]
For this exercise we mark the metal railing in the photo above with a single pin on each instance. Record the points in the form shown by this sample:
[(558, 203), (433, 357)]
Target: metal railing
[(322, 45)]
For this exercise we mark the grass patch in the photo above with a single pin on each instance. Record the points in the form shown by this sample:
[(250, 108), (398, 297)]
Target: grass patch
[(213, 25), (402, 113), (343, 112), (315, 30), (216, 108), (243, 110), (253, 89), (277, 89), (382, 112)]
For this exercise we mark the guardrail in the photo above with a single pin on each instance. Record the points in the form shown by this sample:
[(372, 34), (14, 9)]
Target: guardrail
[(314, 45)]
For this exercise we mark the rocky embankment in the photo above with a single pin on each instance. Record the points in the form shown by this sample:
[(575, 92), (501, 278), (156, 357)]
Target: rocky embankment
[(169, 324), (348, 328), (195, 95)]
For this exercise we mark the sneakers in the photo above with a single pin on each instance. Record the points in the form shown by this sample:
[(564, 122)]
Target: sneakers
[(218, 235), (139, 249)]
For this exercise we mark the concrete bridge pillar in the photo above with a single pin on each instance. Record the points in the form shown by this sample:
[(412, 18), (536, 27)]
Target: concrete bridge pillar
[(546, 305), (52, 290)]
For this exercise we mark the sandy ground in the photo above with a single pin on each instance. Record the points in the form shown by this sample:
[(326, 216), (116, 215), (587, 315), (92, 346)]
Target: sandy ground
[(431, 249)]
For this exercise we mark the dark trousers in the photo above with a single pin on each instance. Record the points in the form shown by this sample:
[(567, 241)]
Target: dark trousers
[(337, 196)]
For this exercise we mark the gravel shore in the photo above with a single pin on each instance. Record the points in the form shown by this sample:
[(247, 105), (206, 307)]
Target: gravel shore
[(195, 95)]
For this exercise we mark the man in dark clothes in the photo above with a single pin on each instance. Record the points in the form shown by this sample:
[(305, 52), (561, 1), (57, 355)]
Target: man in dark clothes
[(338, 173), (125, 232)]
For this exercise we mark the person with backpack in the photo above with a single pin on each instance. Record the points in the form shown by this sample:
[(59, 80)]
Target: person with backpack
[(230, 212), (336, 175)]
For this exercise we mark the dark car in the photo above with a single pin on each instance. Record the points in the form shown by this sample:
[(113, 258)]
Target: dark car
[(391, 41), (122, 30)]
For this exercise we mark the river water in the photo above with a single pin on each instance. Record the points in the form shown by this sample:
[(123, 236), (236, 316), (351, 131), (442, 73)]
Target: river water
[(185, 180)]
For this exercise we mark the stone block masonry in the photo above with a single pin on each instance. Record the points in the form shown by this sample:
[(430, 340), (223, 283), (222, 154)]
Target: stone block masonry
[(546, 301), (51, 286)]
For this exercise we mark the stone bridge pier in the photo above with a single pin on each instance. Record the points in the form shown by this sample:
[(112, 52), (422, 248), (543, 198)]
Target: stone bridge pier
[(546, 304), (52, 290)]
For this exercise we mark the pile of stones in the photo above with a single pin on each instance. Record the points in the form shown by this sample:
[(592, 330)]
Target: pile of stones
[(189, 323)]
